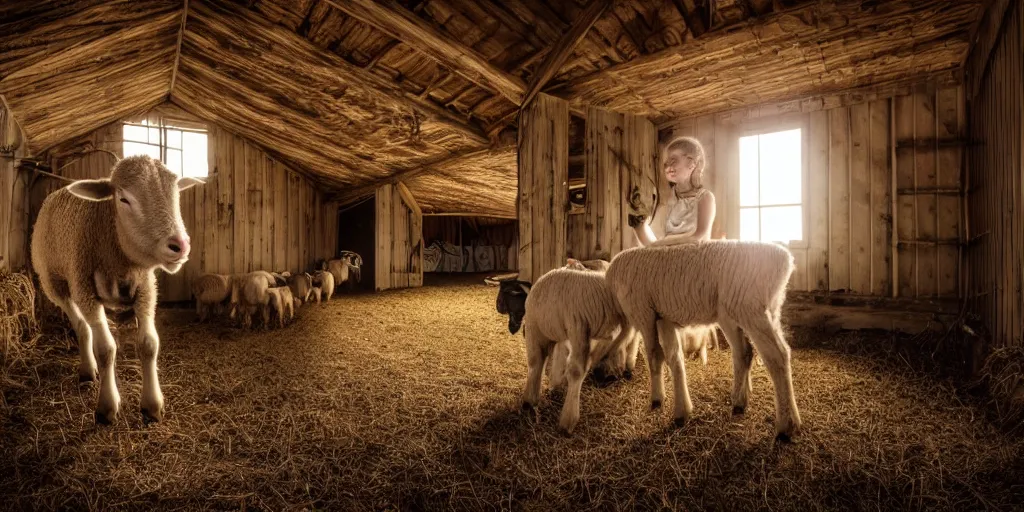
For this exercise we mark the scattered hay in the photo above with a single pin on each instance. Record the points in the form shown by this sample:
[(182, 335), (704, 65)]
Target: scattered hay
[(409, 400), (1002, 378), (18, 322)]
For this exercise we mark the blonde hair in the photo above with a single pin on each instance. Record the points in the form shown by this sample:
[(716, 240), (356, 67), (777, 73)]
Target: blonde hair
[(692, 147)]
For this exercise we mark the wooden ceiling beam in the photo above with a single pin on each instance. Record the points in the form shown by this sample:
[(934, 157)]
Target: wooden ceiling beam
[(177, 50), (400, 23), (365, 191), (565, 46)]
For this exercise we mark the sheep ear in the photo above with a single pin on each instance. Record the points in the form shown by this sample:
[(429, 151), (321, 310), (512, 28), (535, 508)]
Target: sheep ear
[(525, 287), (92, 190), (187, 183)]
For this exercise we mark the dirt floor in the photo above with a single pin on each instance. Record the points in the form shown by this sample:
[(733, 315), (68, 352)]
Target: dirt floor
[(410, 400)]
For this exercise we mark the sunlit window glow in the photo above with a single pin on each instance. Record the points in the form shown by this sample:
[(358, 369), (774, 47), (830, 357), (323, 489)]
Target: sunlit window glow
[(182, 150), (771, 208)]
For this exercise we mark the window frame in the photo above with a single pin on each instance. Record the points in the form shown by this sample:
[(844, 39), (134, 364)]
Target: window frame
[(779, 124), (163, 124)]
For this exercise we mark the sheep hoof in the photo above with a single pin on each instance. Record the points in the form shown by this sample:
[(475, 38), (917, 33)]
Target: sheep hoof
[(655, 405), (148, 417), (628, 375), (784, 438), (737, 409), (679, 422), (105, 418), (527, 406), (84, 378)]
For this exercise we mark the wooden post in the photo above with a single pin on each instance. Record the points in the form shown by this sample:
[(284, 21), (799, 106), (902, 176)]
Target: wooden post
[(543, 201), (893, 215), (383, 222)]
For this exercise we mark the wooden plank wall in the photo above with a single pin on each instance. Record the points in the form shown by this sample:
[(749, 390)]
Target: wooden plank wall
[(619, 152), (14, 197), (543, 201), (254, 214), (848, 187), (995, 171), (399, 227)]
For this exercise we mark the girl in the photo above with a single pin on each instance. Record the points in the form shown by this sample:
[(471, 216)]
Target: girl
[(689, 212)]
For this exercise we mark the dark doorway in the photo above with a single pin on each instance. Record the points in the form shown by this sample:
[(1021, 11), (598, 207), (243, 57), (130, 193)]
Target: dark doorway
[(357, 232)]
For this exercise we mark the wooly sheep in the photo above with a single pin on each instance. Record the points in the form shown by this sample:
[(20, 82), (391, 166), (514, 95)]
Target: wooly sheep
[(301, 285), (736, 284), (120, 228), (324, 282), (344, 269), (211, 291), (282, 303), (563, 306), (249, 293)]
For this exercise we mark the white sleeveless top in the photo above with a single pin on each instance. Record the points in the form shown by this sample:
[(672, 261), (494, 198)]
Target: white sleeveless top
[(681, 212)]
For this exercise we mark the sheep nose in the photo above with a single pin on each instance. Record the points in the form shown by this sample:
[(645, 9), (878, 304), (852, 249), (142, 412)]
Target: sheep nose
[(179, 244)]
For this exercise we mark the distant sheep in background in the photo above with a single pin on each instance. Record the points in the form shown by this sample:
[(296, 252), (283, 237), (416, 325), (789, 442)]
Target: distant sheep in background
[(346, 268), (324, 282), (736, 284), (282, 303), (301, 285), (249, 293), (211, 291)]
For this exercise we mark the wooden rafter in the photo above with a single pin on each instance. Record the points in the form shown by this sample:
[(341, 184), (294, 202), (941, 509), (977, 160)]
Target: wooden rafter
[(367, 190), (561, 51), (177, 51), (398, 22)]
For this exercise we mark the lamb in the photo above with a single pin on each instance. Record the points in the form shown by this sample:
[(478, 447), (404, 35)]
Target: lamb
[(736, 284), (249, 293), (211, 291), (301, 285), (120, 228), (323, 281), (282, 302), (563, 306)]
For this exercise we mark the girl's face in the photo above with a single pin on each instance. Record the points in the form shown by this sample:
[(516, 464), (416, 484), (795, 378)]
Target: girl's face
[(679, 166)]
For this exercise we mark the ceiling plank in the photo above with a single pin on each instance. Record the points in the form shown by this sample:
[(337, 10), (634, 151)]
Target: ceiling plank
[(400, 23), (365, 191), (177, 51), (561, 51)]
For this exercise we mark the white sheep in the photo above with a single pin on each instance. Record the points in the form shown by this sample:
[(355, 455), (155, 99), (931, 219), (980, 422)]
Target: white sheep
[(564, 306), (736, 284), (324, 282), (282, 303), (120, 228), (301, 285), (347, 268), (249, 293), (211, 291)]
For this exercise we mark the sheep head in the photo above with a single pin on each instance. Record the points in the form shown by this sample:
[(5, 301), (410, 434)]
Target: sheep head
[(147, 215), (511, 301)]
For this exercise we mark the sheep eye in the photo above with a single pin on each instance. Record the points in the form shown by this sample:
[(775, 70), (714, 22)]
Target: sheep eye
[(125, 201)]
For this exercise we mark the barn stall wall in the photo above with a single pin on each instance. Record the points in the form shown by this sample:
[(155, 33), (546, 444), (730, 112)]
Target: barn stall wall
[(14, 205), (850, 142), (469, 244), (399, 236), (995, 170), (253, 213)]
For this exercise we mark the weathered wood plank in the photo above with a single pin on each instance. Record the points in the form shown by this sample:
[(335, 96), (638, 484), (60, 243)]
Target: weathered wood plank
[(906, 224), (839, 199), (861, 223), (947, 175), (925, 167), (880, 198), (818, 252)]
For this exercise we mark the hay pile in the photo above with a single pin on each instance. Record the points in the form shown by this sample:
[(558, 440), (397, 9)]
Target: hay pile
[(1002, 379), (410, 400), (17, 315)]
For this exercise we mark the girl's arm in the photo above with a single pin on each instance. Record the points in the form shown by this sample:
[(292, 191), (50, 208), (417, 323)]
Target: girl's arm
[(644, 233), (705, 218)]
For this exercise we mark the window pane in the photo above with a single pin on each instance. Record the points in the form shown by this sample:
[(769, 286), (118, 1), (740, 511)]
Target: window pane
[(195, 163), (782, 224), (174, 139), (135, 133), (749, 224), (138, 148), (174, 160), (748, 171), (154, 135), (780, 167)]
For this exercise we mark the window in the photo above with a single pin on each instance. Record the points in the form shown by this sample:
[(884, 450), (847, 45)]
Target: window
[(182, 149), (771, 187)]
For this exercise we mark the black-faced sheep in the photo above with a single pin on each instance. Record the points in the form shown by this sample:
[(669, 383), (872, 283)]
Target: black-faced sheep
[(736, 284), (122, 228)]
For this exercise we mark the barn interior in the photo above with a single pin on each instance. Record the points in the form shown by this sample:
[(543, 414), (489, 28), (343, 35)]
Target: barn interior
[(450, 143)]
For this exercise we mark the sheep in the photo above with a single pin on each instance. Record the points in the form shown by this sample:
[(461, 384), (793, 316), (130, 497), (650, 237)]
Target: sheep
[(323, 281), (249, 293), (301, 285), (564, 306), (315, 293), (736, 284), (282, 302), (121, 228), (344, 269), (210, 291)]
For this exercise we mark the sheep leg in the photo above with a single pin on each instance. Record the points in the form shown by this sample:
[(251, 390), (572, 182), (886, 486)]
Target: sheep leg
[(106, 355), (655, 361), (704, 351), (559, 358), (537, 351), (632, 350), (742, 355), (152, 401), (579, 354), (767, 336), (668, 336)]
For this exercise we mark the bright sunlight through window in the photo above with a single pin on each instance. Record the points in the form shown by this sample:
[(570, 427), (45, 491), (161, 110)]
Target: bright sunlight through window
[(182, 150), (771, 208)]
